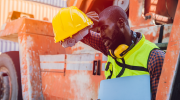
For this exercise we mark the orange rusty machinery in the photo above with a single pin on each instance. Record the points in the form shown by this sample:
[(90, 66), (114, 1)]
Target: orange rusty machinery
[(43, 69)]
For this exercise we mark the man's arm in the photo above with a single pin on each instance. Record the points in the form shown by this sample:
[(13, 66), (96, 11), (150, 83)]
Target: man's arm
[(94, 40), (155, 64)]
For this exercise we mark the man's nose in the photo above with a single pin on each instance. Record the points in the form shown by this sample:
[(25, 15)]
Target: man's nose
[(98, 30), (102, 34)]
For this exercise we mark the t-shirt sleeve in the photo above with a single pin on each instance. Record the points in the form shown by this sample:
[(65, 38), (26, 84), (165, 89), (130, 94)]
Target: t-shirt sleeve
[(155, 64)]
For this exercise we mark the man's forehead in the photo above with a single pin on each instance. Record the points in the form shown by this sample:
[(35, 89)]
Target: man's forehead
[(103, 21)]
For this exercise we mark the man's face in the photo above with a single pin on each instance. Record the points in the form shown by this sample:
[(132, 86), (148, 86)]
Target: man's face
[(110, 34)]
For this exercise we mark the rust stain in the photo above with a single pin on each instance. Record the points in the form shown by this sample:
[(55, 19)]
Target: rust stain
[(166, 35), (104, 61), (52, 62), (52, 70), (151, 37), (77, 48)]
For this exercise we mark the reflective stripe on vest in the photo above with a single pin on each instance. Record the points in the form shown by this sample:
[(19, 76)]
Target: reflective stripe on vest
[(134, 63)]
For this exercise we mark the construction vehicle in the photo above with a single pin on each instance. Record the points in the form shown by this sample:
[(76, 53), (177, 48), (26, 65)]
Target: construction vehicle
[(43, 69)]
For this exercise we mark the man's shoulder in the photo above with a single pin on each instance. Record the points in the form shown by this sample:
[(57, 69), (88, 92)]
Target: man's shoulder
[(156, 56), (157, 52)]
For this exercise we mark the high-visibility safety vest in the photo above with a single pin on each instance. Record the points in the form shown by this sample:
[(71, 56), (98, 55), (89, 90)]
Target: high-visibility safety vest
[(134, 63)]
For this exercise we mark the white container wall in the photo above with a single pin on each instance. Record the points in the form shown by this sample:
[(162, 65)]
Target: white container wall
[(39, 10), (56, 3), (6, 46)]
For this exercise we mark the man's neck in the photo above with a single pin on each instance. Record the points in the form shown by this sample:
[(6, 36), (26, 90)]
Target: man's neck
[(139, 36)]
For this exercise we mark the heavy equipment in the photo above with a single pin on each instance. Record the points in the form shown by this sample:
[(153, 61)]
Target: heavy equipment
[(43, 69)]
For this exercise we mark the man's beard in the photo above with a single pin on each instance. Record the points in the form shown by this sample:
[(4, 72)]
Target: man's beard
[(117, 39)]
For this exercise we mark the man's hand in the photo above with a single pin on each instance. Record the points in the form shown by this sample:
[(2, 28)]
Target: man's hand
[(69, 42)]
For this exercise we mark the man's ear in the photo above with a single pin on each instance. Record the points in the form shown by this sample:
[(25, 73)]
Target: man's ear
[(121, 23)]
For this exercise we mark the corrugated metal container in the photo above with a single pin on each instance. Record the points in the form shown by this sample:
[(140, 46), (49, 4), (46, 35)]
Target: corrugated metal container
[(56, 3), (6, 46), (39, 10)]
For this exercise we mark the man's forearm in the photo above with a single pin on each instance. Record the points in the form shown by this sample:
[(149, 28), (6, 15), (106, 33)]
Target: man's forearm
[(94, 40)]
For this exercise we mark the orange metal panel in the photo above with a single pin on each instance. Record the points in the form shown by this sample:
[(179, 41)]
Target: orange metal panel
[(76, 3), (11, 30), (39, 10), (87, 5), (166, 7), (31, 46), (36, 38), (84, 5), (170, 62), (152, 32), (147, 12), (136, 13), (78, 84), (74, 85)]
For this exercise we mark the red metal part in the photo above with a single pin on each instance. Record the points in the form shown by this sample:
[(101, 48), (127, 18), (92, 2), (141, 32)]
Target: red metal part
[(171, 60), (147, 12), (166, 7), (84, 5)]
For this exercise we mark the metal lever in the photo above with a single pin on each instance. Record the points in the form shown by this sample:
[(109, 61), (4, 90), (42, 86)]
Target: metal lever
[(96, 67)]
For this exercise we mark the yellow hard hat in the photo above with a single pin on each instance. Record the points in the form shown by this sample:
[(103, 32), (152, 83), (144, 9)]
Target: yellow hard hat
[(68, 22)]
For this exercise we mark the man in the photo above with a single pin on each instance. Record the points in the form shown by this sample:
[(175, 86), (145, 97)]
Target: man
[(129, 53)]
